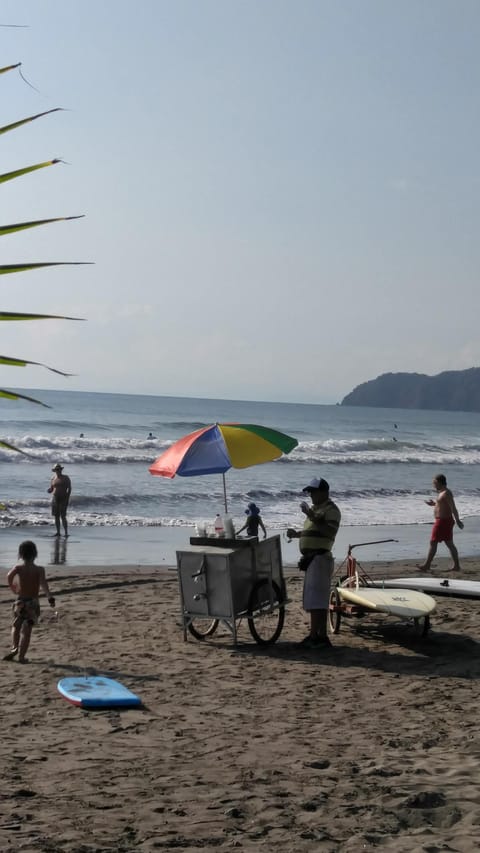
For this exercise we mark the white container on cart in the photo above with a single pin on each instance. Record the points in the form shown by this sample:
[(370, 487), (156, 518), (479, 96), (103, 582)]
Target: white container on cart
[(228, 527), (218, 526)]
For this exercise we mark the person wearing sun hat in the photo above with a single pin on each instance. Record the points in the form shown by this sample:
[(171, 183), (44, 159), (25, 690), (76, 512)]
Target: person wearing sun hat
[(316, 542), (254, 521), (60, 488)]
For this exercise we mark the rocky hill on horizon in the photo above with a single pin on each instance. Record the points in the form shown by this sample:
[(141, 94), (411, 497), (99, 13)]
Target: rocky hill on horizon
[(450, 391)]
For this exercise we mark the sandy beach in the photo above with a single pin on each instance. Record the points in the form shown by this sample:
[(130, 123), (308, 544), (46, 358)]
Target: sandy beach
[(373, 744)]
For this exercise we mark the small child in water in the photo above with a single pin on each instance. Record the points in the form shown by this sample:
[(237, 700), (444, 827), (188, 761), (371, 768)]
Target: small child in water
[(254, 521), (25, 580)]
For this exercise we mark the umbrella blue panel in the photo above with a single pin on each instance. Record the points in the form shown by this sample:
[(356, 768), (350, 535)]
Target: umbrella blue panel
[(207, 455)]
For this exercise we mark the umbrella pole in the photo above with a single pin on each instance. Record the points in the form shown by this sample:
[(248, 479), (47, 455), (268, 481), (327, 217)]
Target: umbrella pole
[(224, 493)]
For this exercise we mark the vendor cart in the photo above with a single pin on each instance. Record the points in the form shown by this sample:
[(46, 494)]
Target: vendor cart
[(225, 581)]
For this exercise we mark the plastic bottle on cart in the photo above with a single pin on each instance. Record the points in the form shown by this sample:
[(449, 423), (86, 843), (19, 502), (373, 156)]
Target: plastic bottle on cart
[(218, 526), (228, 527)]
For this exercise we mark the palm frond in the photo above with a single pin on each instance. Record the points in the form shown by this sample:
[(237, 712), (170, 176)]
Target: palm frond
[(19, 123), (10, 315), (17, 450), (22, 226), (9, 176), (21, 362), (12, 395), (5, 269), (10, 67)]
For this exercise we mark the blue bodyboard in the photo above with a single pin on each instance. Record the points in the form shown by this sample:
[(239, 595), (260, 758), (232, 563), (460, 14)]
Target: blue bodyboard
[(96, 691)]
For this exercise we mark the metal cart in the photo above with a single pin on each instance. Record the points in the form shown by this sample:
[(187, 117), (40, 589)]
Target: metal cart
[(229, 580)]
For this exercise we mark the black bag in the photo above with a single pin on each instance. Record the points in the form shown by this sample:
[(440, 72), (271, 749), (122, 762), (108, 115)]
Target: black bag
[(305, 561)]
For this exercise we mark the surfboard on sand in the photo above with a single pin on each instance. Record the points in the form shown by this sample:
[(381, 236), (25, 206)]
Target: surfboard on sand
[(403, 603), (435, 586), (97, 692)]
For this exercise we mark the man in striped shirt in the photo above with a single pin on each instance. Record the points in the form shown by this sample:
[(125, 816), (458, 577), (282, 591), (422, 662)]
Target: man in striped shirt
[(316, 542)]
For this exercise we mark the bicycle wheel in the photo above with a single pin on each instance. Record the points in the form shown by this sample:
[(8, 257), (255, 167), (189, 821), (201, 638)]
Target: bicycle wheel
[(334, 612), (202, 628), (266, 612)]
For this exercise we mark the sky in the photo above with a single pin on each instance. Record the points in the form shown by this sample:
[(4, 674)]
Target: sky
[(281, 197)]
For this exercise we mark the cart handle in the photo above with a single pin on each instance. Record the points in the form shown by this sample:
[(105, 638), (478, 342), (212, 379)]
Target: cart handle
[(200, 572), (376, 542)]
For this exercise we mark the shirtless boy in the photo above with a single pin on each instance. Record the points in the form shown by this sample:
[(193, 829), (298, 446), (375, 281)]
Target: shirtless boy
[(25, 580), (445, 515)]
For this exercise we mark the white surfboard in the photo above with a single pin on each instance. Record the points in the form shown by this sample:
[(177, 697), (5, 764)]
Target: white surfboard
[(404, 603), (435, 586)]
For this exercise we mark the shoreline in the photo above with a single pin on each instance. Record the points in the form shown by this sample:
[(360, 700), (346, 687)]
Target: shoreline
[(376, 569), (157, 546)]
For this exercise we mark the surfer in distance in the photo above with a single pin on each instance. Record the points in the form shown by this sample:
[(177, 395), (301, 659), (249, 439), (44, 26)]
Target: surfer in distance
[(445, 515), (25, 580)]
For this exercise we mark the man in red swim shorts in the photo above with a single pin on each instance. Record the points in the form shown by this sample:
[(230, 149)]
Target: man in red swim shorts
[(445, 514)]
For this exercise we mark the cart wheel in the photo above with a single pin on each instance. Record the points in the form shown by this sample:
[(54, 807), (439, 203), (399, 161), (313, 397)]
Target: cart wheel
[(202, 628), (421, 625), (334, 612), (266, 612)]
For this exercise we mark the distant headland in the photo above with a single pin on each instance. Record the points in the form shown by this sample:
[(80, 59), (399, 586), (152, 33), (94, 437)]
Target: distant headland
[(450, 391)]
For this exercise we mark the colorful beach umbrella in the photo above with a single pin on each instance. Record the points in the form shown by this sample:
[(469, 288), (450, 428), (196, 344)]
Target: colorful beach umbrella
[(216, 448)]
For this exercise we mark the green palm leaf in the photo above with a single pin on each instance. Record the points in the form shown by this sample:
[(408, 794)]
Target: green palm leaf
[(17, 450), (10, 67), (21, 226), (5, 269), (8, 268), (9, 176), (19, 123), (10, 315), (21, 362), (12, 395)]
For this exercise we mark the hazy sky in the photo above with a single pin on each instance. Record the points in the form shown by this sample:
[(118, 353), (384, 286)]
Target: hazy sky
[(281, 196)]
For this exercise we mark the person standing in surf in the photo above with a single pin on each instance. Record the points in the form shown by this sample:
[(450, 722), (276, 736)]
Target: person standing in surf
[(445, 515), (316, 542), (60, 488), (25, 580)]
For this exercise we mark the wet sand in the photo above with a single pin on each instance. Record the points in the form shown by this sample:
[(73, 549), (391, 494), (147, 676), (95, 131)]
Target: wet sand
[(373, 744), (156, 546)]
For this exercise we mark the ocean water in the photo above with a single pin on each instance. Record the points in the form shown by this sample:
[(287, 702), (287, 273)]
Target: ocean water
[(379, 463)]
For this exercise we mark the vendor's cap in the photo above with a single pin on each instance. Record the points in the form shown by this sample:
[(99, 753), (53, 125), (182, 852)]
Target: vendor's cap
[(252, 509), (57, 467), (317, 483)]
